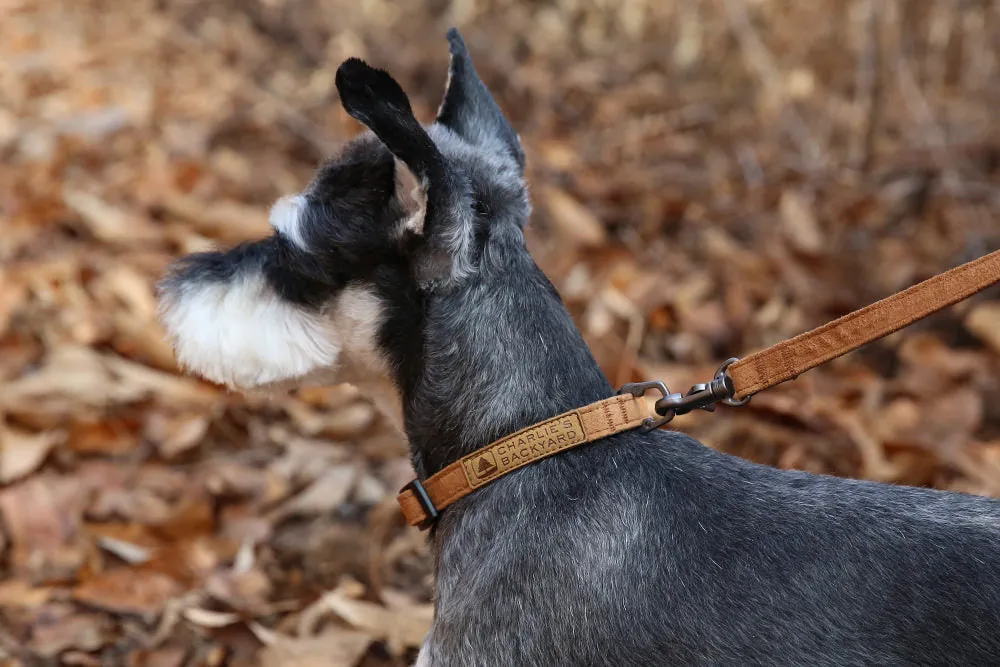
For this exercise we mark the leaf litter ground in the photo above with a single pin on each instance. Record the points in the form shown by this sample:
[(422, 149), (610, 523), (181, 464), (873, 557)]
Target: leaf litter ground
[(708, 178)]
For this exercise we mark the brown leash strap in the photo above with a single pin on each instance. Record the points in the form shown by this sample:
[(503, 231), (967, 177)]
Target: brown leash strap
[(790, 358), (734, 383), (421, 502)]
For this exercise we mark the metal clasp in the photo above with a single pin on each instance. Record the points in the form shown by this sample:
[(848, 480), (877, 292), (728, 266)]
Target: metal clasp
[(702, 396), (638, 389)]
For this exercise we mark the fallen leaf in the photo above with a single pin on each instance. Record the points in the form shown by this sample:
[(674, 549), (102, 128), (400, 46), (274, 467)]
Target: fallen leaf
[(168, 656), (109, 436), (133, 554), (108, 222), (210, 619), (799, 223), (229, 222), (75, 657), (245, 591), (12, 295), (304, 459), (176, 434), (128, 591), (20, 593), (324, 495), (573, 221), (406, 627), (58, 627), (130, 288), (42, 515), (22, 453), (336, 647), (984, 323)]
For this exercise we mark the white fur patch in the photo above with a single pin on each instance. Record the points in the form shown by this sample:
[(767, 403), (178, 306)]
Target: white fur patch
[(424, 656), (243, 335), (285, 218), (357, 316)]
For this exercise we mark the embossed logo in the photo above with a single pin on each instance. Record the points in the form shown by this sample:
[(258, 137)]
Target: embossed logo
[(484, 466), (523, 447)]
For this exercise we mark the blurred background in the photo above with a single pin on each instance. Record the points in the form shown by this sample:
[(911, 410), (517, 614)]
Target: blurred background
[(708, 177)]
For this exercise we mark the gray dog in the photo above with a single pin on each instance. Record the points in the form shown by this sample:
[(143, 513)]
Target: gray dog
[(405, 258)]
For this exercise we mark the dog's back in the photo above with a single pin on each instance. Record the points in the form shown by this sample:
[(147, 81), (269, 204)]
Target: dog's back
[(654, 549)]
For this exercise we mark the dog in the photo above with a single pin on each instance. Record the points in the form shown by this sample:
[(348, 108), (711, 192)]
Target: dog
[(405, 258)]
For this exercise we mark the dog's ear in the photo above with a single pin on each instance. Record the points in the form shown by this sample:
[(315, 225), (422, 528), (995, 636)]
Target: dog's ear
[(374, 98), (436, 199), (468, 108)]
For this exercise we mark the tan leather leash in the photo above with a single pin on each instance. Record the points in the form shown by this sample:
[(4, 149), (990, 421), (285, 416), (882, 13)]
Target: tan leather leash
[(734, 383)]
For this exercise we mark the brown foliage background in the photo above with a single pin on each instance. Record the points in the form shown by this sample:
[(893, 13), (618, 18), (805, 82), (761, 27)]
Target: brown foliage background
[(709, 177)]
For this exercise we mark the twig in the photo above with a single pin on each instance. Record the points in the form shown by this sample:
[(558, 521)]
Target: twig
[(869, 86), (920, 110), (762, 62)]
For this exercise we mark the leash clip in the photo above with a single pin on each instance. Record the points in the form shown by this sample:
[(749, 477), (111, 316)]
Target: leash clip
[(702, 396), (637, 389)]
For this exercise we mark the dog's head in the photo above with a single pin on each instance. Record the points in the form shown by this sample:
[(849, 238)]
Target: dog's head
[(402, 211)]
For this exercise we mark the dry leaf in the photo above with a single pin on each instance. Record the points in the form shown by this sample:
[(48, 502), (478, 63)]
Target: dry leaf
[(22, 453), (984, 322), (229, 222), (799, 223), (12, 295), (336, 647), (128, 591), (572, 220), (176, 434), (42, 516), (324, 495), (107, 222), (210, 619), (245, 591), (133, 554), (106, 436), (58, 627), (733, 226), (406, 627), (20, 593), (163, 657)]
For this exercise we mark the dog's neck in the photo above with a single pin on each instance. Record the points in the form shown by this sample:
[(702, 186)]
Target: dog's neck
[(500, 352)]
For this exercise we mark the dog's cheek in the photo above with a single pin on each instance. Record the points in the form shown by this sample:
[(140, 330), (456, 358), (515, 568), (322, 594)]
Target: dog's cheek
[(359, 314), (243, 335)]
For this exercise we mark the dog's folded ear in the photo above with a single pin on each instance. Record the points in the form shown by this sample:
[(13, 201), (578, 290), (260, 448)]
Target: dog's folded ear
[(374, 98), (435, 199), (468, 108)]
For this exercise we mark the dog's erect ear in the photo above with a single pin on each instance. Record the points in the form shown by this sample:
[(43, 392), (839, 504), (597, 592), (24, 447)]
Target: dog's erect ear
[(469, 109), (436, 199)]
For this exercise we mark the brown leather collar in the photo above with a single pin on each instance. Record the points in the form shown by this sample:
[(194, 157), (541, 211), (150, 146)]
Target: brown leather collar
[(735, 382), (421, 502)]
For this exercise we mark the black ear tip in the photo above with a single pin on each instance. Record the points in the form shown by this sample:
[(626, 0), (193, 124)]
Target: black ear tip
[(362, 86), (352, 70)]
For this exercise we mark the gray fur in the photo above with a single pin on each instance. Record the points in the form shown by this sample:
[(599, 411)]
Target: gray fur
[(639, 549), (653, 549)]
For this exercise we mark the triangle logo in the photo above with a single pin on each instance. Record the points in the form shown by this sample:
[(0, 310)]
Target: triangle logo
[(484, 466)]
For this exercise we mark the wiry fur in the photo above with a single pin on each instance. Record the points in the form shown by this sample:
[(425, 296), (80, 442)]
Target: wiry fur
[(634, 550), (237, 331)]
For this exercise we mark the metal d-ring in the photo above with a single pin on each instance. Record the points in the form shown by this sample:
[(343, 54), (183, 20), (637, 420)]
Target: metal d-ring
[(722, 375)]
